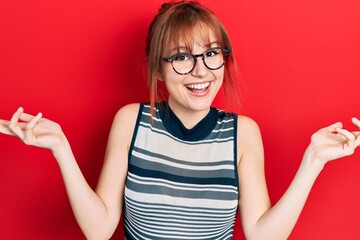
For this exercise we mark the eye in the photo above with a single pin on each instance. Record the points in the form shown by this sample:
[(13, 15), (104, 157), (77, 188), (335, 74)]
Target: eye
[(212, 52), (182, 57)]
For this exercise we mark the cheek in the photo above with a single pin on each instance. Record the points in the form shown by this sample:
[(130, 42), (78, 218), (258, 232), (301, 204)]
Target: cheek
[(166, 73), (170, 77), (219, 74)]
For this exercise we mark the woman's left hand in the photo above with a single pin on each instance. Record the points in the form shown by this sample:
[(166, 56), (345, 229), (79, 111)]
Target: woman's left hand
[(334, 142)]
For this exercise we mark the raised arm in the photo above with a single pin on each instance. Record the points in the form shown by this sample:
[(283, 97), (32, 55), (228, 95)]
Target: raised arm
[(97, 213), (259, 219)]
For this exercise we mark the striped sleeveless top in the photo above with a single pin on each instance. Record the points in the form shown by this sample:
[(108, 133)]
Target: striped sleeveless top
[(181, 183)]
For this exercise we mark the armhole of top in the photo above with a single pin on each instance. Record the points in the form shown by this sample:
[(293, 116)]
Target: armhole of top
[(135, 129), (235, 152)]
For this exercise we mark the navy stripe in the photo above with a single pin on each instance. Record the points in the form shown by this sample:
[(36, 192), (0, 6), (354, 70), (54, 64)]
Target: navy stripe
[(176, 178), (167, 191), (200, 210), (153, 166)]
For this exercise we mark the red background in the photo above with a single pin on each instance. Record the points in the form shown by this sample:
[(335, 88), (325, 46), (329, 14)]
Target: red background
[(79, 61)]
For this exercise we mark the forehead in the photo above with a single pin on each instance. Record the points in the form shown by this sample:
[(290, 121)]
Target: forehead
[(192, 40)]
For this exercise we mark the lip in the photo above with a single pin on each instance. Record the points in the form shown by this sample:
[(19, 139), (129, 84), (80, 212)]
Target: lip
[(197, 91)]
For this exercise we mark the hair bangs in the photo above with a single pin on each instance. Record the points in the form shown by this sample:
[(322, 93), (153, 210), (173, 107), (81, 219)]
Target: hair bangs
[(185, 32)]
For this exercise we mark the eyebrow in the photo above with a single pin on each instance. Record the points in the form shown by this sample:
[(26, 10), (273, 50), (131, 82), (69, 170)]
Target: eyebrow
[(177, 48)]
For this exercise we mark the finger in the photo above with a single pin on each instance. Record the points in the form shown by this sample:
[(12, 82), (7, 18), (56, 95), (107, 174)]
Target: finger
[(15, 117), (35, 119), (14, 123), (357, 138), (349, 136), (30, 137), (26, 117), (356, 121), (333, 127), (4, 127)]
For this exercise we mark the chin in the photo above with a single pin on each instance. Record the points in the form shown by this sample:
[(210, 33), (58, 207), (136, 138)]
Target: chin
[(201, 105)]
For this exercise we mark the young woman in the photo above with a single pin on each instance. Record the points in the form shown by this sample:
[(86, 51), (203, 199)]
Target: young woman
[(180, 169)]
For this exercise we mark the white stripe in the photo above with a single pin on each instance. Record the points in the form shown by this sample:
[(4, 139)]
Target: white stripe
[(148, 106), (178, 221), (225, 121), (149, 230), (183, 202), (194, 215), (226, 188), (223, 130), (154, 118), (182, 166), (162, 143), (130, 227), (203, 212)]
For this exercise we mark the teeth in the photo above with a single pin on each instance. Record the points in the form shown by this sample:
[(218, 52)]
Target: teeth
[(198, 86)]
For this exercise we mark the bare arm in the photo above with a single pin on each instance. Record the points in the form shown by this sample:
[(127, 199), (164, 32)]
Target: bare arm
[(97, 213), (260, 220)]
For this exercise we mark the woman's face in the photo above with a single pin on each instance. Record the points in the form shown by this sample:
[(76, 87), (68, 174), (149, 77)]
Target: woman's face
[(195, 91)]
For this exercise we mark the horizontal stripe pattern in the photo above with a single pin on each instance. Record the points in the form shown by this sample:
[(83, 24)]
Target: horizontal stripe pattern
[(179, 189)]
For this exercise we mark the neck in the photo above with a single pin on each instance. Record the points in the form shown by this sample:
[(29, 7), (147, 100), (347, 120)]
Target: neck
[(189, 117)]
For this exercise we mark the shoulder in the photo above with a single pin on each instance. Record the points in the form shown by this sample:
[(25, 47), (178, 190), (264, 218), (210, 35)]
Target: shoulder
[(125, 119), (127, 113), (131, 108), (247, 126), (249, 141)]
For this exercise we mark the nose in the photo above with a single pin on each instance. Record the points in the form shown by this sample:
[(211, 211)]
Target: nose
[(200, 70)]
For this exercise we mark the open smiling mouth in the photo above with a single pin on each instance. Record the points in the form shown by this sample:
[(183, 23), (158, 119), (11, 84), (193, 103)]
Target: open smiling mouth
[(199, 87)]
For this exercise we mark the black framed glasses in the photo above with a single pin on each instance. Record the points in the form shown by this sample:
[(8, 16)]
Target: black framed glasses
[(184, 63)]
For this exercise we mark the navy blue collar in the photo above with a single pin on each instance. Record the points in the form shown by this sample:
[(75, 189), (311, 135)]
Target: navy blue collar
[(175, 127)]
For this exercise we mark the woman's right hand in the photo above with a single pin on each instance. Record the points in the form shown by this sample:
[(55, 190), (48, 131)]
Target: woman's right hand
[(34, 130)]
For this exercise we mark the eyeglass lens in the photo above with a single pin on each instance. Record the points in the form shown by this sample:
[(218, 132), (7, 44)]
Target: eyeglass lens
[(184, 62)]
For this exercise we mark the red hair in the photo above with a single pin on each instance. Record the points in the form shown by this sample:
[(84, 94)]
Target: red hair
[(189, 22)]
